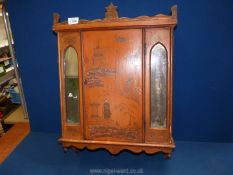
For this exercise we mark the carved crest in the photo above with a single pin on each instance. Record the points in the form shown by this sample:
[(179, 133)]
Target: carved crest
[(111, 11)]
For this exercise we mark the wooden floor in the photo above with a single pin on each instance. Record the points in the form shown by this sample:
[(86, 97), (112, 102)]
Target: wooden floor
[(12, 138)]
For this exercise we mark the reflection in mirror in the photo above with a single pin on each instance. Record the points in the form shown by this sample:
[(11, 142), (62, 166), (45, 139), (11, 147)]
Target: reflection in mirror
[(71, 62), (71, 86), (158, 89)]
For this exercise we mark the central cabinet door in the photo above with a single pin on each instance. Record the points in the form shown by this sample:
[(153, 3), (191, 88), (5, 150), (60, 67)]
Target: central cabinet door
[(113, 85)]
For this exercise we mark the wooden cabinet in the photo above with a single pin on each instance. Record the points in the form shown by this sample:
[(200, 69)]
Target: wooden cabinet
[(116, 82)]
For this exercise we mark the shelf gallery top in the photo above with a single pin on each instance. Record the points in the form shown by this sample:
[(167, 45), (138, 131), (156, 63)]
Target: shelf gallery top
[(112, 20)]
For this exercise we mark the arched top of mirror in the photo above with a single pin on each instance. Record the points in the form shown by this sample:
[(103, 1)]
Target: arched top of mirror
[(71, 62)]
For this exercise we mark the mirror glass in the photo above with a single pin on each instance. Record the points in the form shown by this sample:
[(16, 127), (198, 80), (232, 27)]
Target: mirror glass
[(71, 86), (158, 90)]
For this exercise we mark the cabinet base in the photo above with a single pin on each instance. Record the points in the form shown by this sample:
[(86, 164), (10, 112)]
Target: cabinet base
[(117, 147)]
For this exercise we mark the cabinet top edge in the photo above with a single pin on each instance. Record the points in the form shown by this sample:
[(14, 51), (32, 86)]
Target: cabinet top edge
[(112, 20)]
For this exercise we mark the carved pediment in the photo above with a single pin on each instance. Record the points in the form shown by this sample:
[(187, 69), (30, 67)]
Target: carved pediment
[(111, 11), (112, 19)]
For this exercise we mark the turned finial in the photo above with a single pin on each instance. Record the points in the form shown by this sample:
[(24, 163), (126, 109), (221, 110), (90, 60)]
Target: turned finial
[(174, 11), (56, 18)]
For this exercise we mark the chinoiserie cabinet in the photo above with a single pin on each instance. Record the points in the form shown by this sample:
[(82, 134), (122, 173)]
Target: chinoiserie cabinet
[(116, 82)]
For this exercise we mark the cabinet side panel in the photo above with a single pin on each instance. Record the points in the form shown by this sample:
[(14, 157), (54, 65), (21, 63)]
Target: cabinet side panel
[(60, 80), (74, 129), (157, 59)]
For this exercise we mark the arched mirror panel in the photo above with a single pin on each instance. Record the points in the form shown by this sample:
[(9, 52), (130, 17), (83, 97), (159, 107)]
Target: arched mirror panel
[(158, 90), (71, 79)]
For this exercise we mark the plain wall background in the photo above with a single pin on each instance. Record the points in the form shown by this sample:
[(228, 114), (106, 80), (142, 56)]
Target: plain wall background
[(203, 60)]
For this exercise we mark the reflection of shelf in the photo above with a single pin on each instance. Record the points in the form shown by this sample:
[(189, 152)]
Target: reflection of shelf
[(8, 76), (4, 59)]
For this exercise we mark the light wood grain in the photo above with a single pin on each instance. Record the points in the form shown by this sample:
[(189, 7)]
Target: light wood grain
[(12, 138)]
